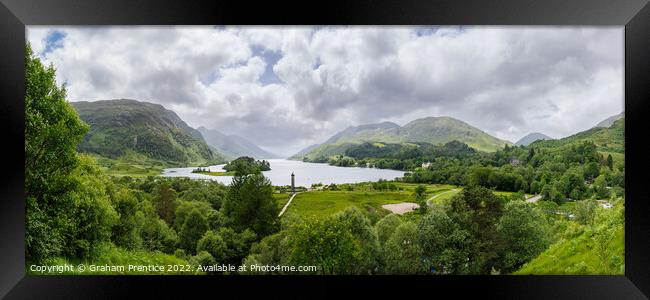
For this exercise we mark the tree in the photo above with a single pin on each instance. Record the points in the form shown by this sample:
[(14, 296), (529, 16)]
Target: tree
[(164, 202), (192, 230), (250, 204), (402, 251), (420, 198), (591, 170), (524, 233), (386, 226), (610, 162), (272, 250), (126, 232), (213, 243), (600, 186), (226, 245), (67, 208), (477, 210), (444, 244), (585, 211), (343, 243)]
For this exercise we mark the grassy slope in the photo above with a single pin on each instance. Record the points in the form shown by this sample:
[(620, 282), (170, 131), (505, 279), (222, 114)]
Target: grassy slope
[(594, 249)]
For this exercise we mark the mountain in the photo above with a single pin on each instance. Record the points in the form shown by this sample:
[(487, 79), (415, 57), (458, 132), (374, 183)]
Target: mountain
[(304, 151), (121, 127), (433, 130), (233, 145), (610, 140), (609, 121), (531, 137), (352, 130)]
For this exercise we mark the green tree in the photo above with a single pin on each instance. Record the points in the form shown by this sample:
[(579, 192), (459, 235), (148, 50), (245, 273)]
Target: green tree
[(403, 252), (477, 210), (67, 210), (226, 245), (164, 202), (272, 250), (591, 170), (192, 230), (420, 198), (610, 162), (524, 232), (386, 226), (250, 204), (343, 243), (600, 185), (126, 233), (444, 244)]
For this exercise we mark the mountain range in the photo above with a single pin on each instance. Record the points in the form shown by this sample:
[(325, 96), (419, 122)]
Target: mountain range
[(434, 130), (233, 145)]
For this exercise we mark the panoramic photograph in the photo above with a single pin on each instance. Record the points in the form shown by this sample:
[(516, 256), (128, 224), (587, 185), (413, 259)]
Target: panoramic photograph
[(324, 150)]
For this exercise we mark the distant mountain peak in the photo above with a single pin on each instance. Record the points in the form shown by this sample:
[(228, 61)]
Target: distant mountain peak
[(233, 145), (532, 137), (610, 121)]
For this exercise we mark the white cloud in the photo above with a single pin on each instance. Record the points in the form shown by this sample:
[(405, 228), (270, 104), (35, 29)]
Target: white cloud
[(508, 81)]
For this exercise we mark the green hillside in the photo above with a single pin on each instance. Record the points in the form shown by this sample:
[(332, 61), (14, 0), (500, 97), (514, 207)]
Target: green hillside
[(595, 248), (128, 127), (607, 139), (433, 130)]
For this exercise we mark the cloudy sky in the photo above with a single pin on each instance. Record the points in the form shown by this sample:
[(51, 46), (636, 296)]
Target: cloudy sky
[(289, 87)]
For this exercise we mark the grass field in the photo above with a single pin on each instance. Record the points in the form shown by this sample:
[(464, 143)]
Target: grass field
[(281, 198), (319, 204)]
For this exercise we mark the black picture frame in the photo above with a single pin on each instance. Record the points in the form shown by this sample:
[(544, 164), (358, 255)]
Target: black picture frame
[(633, 14)]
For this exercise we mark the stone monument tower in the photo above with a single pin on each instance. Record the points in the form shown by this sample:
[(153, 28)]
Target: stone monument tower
[(293, 183)]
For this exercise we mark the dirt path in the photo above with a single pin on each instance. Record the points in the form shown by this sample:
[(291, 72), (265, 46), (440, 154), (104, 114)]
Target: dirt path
[(436, 196), (287, 205), (534, 199), (401, 208)]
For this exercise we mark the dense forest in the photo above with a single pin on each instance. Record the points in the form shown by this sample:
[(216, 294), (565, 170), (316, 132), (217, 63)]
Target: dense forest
[(76, 213)]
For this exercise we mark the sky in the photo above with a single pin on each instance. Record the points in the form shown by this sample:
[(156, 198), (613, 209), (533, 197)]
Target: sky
[(285, 88)]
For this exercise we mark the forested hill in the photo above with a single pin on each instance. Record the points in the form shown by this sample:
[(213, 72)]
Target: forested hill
[(233, 145), (118, 127), (432, 130), (607, 139)]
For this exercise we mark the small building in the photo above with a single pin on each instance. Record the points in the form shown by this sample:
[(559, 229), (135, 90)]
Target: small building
[(426, 165)]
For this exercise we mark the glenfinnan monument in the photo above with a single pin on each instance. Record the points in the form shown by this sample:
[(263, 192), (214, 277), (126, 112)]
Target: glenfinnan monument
[(293, 183)]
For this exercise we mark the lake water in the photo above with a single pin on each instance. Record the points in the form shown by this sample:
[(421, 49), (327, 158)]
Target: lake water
[(306, 173)]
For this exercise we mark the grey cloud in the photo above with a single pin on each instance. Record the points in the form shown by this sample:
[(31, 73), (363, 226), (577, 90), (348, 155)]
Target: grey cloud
[(507, 81)]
